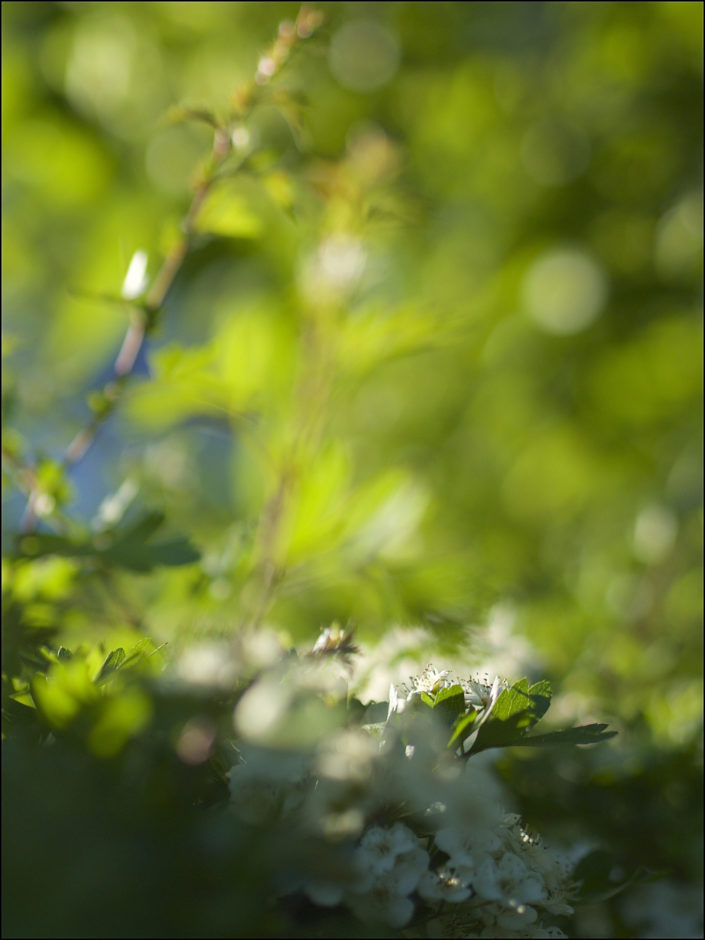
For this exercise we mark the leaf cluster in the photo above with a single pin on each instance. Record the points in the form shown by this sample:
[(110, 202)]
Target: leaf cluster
[(506, 722)]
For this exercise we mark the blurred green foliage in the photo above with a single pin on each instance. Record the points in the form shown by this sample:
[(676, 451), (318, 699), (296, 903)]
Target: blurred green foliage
[(435, 346)]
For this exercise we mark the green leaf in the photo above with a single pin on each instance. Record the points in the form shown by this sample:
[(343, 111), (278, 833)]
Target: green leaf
[(516, 710), (129, 548), (371, 713), (463, 728), (143, 528), (450, 703), (540, 694), (142, 650), (583, 734), (141, 558), (40, 544), (22, 697), (113, 662), (55, 704), (520, 701)]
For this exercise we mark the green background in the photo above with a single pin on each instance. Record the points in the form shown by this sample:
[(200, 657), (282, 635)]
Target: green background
[(490, 413)]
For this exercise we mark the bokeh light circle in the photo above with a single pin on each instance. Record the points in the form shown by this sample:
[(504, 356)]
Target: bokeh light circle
[(364, 55), (564, 291)]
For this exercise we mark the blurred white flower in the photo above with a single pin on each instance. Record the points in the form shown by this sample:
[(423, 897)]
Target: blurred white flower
[(467, 847), (333, 271), (324, 893), (267, 784), (518, 918), (508, 881), (379, 847), (395, 703), (431, 681), (347, 755), (208, 663), (135, 282), (408, 869), (446, 884), (389, 874)]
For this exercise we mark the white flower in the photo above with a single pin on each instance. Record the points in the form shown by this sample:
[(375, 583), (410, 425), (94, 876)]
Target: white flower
[(395, 703), (431, 680), (208, 663), (334, 270), (347, 755), (380, 847), (508, 881), (135, 281), (474, 811), (446, 885), (267, 785), (391, 862), (517, 919), (544, 863), (324, 893), (500, 922), (483, 694), (408, 869), (467, 847)]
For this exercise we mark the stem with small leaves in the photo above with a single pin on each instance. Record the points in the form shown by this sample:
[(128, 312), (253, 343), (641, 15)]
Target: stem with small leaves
[(144, 317)]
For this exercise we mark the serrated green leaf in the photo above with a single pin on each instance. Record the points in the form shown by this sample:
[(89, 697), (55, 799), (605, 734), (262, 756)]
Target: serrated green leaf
[(531, 703), (516, 710), (583, 734)]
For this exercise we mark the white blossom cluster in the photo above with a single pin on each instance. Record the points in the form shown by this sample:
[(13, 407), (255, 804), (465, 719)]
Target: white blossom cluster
[(431, 851), (478, 691), (492, 884)]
